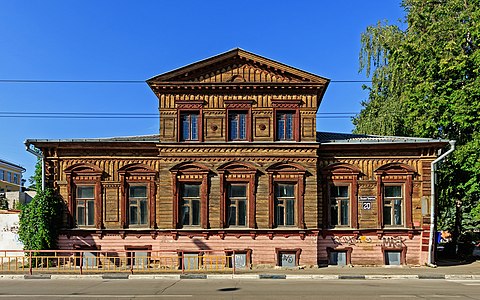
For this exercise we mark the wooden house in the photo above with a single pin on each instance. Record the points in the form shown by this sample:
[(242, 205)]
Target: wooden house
[(237, 165)]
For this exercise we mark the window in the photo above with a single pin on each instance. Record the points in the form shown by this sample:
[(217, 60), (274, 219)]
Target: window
[(339, 205), (237, 205), (138, 206), (285, 121), (85, 206), (393, 258), (288, 257), (237, 126), (189, 126), (284, 204), (337, 258), (190, 205), (2, 175), (9, 176), (15, 178), (392, 205)]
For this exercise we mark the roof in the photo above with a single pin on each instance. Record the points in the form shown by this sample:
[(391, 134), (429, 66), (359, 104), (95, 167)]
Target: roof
[(153, 138), (12, 165), (183, 72), (322, 138), (349, 138)]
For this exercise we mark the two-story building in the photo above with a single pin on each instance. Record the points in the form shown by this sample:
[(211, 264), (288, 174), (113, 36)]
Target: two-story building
[(238, 165), (10, 176)]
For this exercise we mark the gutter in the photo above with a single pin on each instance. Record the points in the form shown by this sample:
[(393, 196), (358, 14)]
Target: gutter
[(433, 168), (40, 155)]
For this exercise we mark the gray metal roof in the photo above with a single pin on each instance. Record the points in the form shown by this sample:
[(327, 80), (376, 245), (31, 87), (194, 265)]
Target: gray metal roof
[(322, 138), (350, 138), (153, 138)]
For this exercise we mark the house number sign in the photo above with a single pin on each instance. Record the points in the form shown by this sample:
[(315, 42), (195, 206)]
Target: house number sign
[(367, 202)]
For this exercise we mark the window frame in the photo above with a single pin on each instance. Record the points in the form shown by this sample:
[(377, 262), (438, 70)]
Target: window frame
[(395, 174), (285, 205), (190, 173), (137, 174), (296, 251), (190, 200), (347, 250), (85, 224), (238, 173), (84, 174), (348, 198), (189, 114), (392, 206), (139, 224), (236, 199), (340, 174), (247, 126), (289, 173), (281, 106)]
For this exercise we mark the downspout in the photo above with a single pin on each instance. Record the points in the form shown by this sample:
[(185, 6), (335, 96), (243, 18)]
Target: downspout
[(433, 168), (39, 155)]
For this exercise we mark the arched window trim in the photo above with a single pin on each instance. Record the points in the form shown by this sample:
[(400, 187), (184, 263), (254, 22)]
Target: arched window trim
[(396, 171), (341, 173), (190, 172), (238, 172), (138, 173), (287, 172), (84, 174)]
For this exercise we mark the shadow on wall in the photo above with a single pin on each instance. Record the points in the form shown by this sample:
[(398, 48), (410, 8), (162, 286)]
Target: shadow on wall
[(201, 245)]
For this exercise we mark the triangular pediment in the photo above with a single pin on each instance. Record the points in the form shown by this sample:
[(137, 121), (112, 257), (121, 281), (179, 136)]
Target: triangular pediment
[(238, 66)]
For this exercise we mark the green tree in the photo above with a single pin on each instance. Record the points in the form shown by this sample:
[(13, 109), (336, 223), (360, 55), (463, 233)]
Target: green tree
[(40, 219), (426, 83), (36, 179)]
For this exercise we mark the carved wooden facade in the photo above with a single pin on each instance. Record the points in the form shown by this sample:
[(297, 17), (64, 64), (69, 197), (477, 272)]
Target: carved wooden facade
[(238, 164)]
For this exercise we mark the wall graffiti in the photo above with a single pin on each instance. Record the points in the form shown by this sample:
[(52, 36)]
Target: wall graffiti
[(386, 241), (350, 240), (392, 241)]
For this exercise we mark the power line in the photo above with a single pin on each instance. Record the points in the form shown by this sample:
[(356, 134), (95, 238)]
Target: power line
[(124, 81), (119, 115)]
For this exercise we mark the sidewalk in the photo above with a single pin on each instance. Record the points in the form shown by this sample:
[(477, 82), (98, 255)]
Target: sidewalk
[(445, 270)]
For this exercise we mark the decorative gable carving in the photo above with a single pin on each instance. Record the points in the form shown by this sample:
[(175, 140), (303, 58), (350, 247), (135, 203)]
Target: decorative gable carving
[(238, 66)]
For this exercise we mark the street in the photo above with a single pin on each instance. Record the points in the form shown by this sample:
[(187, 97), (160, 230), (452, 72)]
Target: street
[(239, 289)]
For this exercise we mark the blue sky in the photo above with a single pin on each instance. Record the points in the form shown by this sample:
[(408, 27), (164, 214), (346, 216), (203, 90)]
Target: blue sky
[(135, 40)]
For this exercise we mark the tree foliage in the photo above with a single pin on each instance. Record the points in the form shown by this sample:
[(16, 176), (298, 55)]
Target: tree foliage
[(426, 83), (40, 219)]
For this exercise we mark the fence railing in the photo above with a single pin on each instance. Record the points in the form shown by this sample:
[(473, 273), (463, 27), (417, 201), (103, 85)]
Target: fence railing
[(118, 261)]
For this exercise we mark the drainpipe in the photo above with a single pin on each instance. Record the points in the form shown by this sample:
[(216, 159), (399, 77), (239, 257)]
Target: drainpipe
[(38, 154), (433, 168)]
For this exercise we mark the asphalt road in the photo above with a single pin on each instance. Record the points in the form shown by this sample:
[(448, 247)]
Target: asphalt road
[(239, 289)]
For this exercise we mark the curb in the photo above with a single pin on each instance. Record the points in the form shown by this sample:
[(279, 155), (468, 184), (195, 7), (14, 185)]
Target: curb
[(123, 276)]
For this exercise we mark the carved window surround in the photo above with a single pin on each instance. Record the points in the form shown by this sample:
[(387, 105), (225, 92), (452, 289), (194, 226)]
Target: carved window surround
[(395, 173), (84, 174), (237, 172), (287, 173), (137, 174), (190, 173), (341, 174), (233, 106), (189, 106), (287, 106)]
